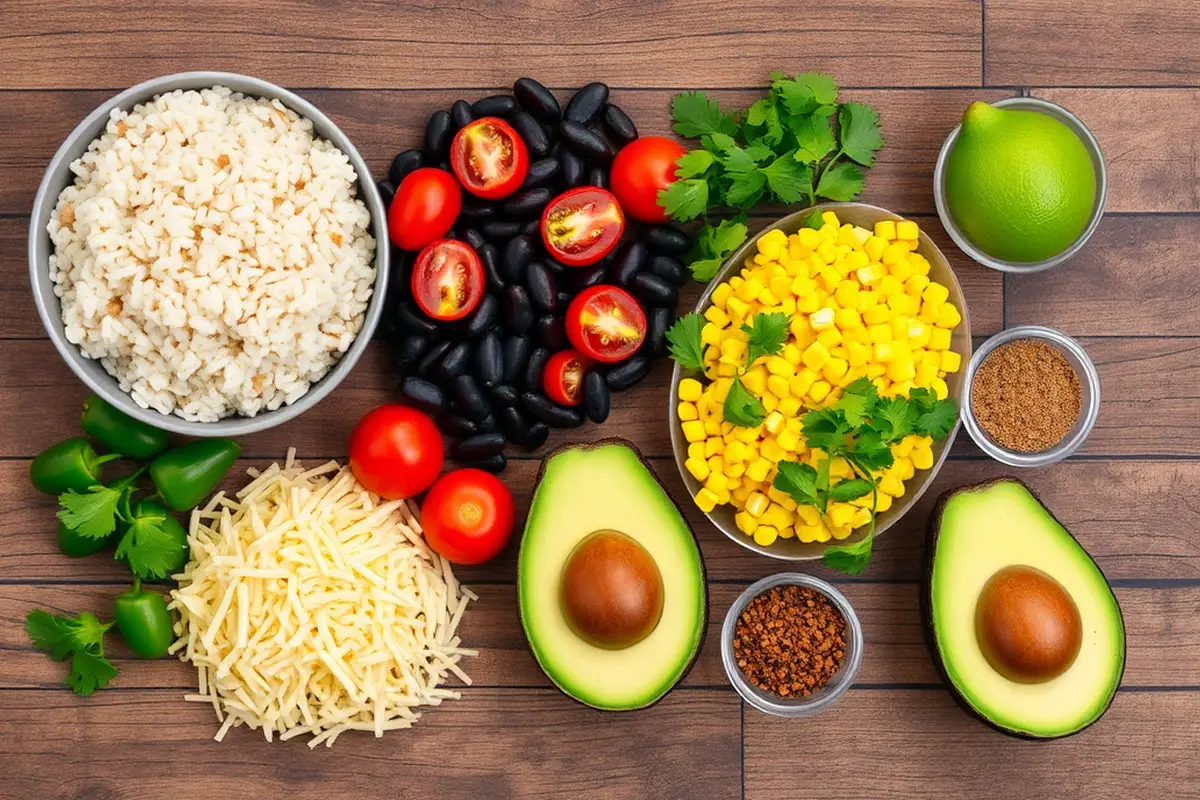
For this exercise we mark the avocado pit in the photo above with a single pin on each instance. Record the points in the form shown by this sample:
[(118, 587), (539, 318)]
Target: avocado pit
[(1028, 626), (611, 590)]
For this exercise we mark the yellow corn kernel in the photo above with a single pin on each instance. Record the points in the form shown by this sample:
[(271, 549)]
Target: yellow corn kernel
[(710, 334), (940, 389), (748, 435), (745, 523), (901, 369), (749, 291), (758, 469), (777, 516), (929, 313), (716, 316), (808, 515), (883, 352), (862, 516), (821, 319), (894, 252), (831, 218), (819, 391), (922, 457), (889, 286), (879, 333), (876, 315), (768, 251), (802, 382), (885, 229), (714, 447), (726, 370), (908, 230), (828, 278), (712, 426), (755, 380), (903, 468), (840, 532), (716, 481), (721, 294), (693, 431), (902, 270), (771, 451), (733, 474), (715, 464), (808, 303), (770, 402), (935, 294), (948, 316), (889, 484), (857, 354), (737, 497), (687, 412), (782, 498), (829, 339), (698, 467), (939, 339), (696, 450), (874, 246), (846, 294), (840, 468), (737, 310), (815, 356), (901, 388), (756, 504), (826, 252), (915, 286), (690, 389), (788, 406), (767, 299), (869, 275), (883, 503), (778, 386), (774, 422), (847, 319), (765, 535), (706, 500), (931, 358), (951, 361), (735, 451), (919, 263), (925, 374), (840, 513), (788, 441), (778, 365), (834, 370)]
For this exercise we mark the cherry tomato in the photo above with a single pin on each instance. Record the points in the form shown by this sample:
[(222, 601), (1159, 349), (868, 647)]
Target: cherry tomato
[(580, 226), (641, 169), (447, 279), (468, 516), (396, 452), (489, 158), (605, 323), (563, 377), (426, 204)]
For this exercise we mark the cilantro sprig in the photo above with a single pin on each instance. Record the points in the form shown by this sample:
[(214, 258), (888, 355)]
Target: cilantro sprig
[(79, 638)]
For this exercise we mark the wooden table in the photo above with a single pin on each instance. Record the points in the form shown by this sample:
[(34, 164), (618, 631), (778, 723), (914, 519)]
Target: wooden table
[(1129, 69)]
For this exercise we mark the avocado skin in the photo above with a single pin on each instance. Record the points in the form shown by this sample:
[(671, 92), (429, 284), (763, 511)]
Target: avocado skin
[(932, 532), (617, 440)]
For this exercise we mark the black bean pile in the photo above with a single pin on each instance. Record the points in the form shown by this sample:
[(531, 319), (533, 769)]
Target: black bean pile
[(481, 377)]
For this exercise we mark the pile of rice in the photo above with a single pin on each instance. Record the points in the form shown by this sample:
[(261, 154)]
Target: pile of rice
[(212, 254)]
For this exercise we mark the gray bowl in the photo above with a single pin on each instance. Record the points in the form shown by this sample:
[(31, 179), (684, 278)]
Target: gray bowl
[(58, 176), (960, 342), (1089, 141)]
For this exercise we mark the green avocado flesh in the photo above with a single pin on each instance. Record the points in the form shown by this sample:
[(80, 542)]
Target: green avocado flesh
[(586, 489), (980, 530)]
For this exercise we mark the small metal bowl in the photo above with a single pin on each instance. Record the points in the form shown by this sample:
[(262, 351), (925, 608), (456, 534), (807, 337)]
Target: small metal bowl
[(793, 549), (58, 176), (1089, 141), (768, 702), (1089, 381)]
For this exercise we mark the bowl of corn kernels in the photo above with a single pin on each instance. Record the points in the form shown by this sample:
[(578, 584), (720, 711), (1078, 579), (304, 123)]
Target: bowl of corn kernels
[(866, 294)]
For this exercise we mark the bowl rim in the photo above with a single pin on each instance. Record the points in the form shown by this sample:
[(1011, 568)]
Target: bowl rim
[(910, 497), (1089, 413), (40, 248), (1092, 145)]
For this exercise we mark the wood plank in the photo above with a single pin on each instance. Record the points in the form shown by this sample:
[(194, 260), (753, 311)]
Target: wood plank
[(1091, 43), (415, 45), (1162, 629), (489, 744), (887, 745)]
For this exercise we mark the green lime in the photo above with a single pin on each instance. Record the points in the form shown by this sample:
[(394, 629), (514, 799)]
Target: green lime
[(1020, 184)]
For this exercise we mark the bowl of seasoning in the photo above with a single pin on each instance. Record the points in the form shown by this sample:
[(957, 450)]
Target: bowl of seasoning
[(791, 645), (1031, 396)]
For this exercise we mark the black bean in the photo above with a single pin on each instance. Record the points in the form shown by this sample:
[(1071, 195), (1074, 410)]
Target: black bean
[(541, 409), (564, 298), (596, 397), (572, 169), (496, 105), (618, 125), (489, 424), (387, 191), (422, 394), (669, 269), (537, 100), (518, 312), (504, 395), (489, 359), (457, 426), (513, 423), (484, 317), (543, 290), (479, 210), (437, 136), (654, 290), (431, 358), (585, 106), (453, 234), (527, 203), (598, 176), (403, 164), (628, 262), (532, 374), (473, 238), (532, 228), (517, 255), (455, 362), (542, 171), (585, 142), (625, 374), (469, 400), (539, 432), (494, 464), (478, 447), (460, 114), (516, 355), (555, 266), (658, 320), (531, 133), (409, 349), (584, 277), (412, 320), (491, 267), (551, 332), (667, 239), (499, 229)]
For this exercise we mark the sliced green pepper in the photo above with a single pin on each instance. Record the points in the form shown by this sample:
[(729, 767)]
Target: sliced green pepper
[(119, 432), (186, 475), (74, 544), (144, 621), (72, 464)]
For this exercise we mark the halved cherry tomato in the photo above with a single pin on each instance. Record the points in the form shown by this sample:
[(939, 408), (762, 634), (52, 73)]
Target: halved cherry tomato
[(468, 516), (606, 323), (580, 226), (489, 158), (426, 204), (640, 170), (563, 378), (447, 279)]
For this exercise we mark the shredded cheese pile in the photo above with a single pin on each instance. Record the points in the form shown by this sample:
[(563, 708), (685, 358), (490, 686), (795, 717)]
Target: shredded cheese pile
[(311, 606)]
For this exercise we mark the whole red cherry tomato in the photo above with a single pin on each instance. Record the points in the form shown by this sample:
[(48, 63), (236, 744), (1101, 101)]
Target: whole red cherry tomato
[(426, 204), (468, 516), (641, 169), (396, 452)]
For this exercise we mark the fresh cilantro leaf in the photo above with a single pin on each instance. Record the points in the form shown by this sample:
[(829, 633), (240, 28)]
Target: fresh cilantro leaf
[(705, 269), (50, 633), (714, 246), (894, 418), (856, 407), (850, 489), (728, 236), (765, 335), (826, 429), (823, 482), (693, 163), (764, 114), (924, 399), (840, 182), (814, 137), (737, 161), (718, 142), (81, 638), (858, 132), (746, 191), (696, 115), (805, 93), (683, 339), (685, 199), (89, 671), (938, 421), (148, 547), (92, 513), (798, 481), (760, 153), (742, 408), (869, 451), (849, 558), (814, 220), (863, 386), (788, 179)]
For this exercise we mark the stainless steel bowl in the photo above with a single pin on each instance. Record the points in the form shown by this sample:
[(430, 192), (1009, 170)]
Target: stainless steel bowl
[(58, 176), (1089, 141), (793, 549)]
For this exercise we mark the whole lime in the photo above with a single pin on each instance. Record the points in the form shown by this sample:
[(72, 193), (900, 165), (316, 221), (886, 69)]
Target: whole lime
[(1020, 184)]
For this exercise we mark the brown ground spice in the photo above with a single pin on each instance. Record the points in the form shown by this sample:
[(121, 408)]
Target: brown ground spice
[(1026, 396), (790, 640)]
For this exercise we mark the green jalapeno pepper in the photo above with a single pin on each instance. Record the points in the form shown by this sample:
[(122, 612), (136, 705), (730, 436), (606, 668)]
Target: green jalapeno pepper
[(152, 542), (119, 432), (74, 544), (72, 464), (144, 621), (189, 473)]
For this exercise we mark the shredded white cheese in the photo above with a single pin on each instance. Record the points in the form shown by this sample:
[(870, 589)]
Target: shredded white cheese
[(310, 606)]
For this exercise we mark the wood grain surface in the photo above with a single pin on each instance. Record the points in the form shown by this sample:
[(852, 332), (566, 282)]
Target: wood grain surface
[(1129, 68)]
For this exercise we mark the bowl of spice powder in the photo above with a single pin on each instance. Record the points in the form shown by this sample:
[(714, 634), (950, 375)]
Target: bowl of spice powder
[(1031, 396), (791, 645)]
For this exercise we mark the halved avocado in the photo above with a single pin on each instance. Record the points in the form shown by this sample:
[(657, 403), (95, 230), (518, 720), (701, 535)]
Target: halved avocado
[(603, 530), (979, 536)]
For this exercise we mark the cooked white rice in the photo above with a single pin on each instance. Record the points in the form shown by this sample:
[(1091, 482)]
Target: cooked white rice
[(212, 254)]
